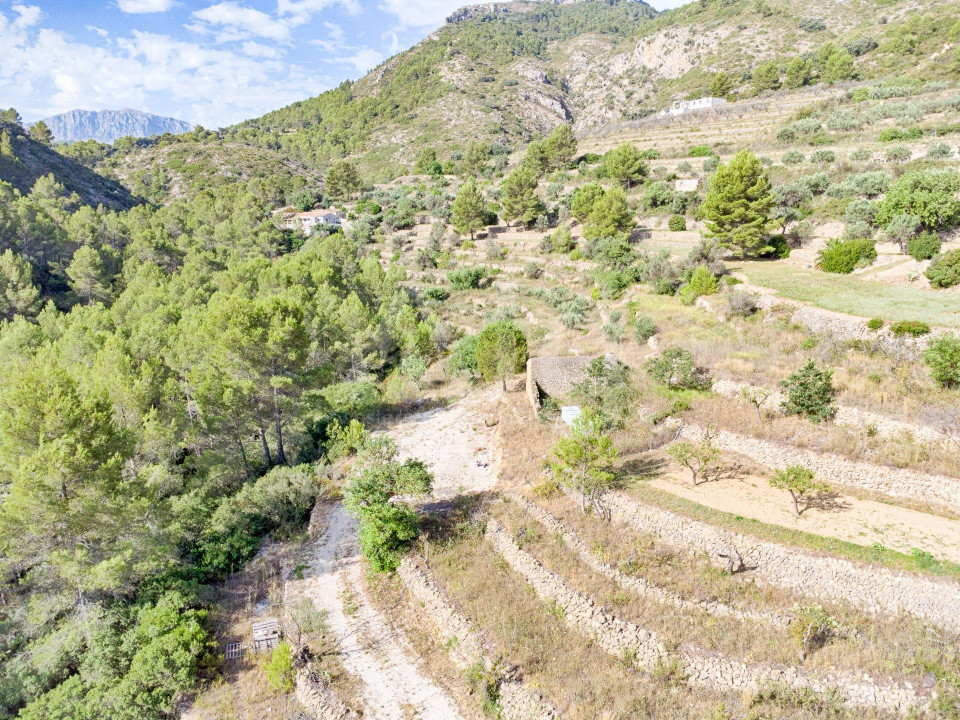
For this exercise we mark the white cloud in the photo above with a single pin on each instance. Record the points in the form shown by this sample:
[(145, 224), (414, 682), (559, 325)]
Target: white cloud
[(299, 12), (144, 6), (362, 60), (229, 21), (43, 72), (255, 49), (98, 30), (28, 15), (421, 13)]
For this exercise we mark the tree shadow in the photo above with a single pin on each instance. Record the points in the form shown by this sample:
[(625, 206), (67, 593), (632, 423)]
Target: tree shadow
[(735, 471), (826, 502), (643, 467)]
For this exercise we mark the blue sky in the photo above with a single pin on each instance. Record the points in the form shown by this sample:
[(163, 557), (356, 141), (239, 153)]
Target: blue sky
[(212, 62)]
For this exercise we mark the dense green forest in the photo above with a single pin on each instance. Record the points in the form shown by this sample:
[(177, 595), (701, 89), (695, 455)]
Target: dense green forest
[(169, 374)]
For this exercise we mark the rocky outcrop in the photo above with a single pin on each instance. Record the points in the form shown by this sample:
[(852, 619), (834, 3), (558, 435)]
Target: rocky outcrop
[(870, 588), (518, 701), (890, 481), (847, 416), (639, 586), (626, 640), (474, 11)]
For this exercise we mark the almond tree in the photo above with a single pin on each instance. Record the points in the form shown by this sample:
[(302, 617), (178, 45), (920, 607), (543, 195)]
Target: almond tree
[(696, 458), (798, 481)]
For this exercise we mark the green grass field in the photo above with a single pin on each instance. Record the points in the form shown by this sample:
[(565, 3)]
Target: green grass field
[(854, 295)]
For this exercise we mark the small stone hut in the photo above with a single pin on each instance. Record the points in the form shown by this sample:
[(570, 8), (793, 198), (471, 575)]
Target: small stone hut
[(555, 377)]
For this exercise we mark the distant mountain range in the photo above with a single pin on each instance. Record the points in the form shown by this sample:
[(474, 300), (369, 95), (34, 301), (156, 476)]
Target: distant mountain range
[(108, 125)]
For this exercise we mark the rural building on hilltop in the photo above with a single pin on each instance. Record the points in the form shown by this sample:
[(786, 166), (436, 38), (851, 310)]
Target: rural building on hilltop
[(680, 107), (307, 221)]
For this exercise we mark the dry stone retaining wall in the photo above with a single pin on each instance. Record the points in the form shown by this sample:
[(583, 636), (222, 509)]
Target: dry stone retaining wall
[(319, 701), (846, 415), (841, 326), (620, 638), (870, 588), (639, 586), (892, 482), (517, 700)]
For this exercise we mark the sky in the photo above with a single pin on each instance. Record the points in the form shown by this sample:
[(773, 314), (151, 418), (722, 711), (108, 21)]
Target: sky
[(209, 62)]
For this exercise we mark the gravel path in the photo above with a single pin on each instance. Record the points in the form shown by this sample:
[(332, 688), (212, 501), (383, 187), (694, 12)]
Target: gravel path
[(373, 651)]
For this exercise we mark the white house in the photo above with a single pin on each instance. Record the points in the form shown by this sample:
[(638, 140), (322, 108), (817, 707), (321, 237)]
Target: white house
[(307, 221), (679, 107), (686, 184)]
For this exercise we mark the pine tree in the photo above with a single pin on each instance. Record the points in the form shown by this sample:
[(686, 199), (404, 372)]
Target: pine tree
[(625, 164), (839, 67), (721, 85), (469, 211), (41, 133), (342, 179), (88, 278), (610, 216), (501, 351), (799, 73), (6, 145), (518, 196), (18, 295), (11, 116), (561, 146), (766, 77), (475, 159), (738, 203)]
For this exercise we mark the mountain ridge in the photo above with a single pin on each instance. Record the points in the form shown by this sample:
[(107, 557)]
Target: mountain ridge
[(110, 125)]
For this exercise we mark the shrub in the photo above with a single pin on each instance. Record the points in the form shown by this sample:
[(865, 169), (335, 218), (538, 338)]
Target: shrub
[(810, 393), (644, 328), (702, 282), (675, 368), (279, 668), (812, 24), (786, 134), (678, 223), (434, 294), (711, 164), (861, 155), (914, 328), (902, 229), (944, 271), (823, 157), (875, 324), (468, 278), (899, 153), (700, 151), (794, 157), (860, 210), (943, 359), (843, 256), (925, 246), (844, 119), (939, 151), (741, 304), (928, 194)]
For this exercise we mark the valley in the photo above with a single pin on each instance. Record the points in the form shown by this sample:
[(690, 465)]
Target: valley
[(485, 387)]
